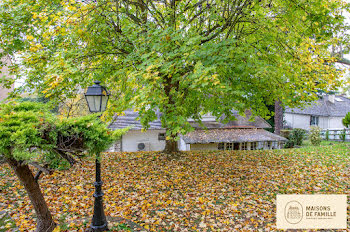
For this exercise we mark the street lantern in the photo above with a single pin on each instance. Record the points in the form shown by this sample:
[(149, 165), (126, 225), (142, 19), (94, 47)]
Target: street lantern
[(97, 98)]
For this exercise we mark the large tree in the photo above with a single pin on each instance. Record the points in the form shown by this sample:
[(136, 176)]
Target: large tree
[(184, 58), (30, 135)]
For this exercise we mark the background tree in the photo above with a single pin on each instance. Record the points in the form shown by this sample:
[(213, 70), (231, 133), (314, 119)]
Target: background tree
[(184, 58), (31, 135), (278, 117), (73, 107)]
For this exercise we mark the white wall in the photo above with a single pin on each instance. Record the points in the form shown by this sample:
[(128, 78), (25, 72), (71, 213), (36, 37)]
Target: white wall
[(182, 145), (303, 121), (297, 120), (132, 138), (335, 123)]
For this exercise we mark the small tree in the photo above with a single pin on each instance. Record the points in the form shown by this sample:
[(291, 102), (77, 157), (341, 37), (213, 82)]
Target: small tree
[(31, 135), (346, 120), (315, 135)]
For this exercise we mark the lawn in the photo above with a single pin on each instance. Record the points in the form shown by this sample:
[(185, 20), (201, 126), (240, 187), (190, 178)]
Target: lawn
[(199, 191)]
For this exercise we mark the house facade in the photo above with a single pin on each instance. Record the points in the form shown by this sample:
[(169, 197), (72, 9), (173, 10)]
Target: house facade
[(241, 134), (327, 113)]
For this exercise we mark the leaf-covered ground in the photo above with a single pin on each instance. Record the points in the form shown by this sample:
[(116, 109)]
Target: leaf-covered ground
[(199, 191)]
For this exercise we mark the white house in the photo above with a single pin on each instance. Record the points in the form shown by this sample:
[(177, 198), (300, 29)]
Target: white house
[(241, 134), (327, 113)]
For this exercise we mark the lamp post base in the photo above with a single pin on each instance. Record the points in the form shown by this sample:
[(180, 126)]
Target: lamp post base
[(99, 222), (99, 228)]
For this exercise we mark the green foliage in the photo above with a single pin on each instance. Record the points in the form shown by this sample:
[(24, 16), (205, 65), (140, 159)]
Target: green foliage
[(346, 120), (343, 135), (327, 135), (55, 161), (184, 59), (315, 135), (30, 132), (295, 137)]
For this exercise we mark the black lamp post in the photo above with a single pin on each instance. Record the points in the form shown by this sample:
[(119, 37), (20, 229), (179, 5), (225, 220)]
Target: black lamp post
[(97, 98)]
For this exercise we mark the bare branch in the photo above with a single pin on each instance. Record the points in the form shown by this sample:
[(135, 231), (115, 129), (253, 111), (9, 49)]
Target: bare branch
[(41, 168)]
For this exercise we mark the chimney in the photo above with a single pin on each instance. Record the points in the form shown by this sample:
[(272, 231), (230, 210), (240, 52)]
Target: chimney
[(331, 98)]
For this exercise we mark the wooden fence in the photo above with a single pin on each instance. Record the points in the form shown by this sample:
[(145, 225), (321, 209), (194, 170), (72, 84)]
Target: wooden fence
[(336, 134)]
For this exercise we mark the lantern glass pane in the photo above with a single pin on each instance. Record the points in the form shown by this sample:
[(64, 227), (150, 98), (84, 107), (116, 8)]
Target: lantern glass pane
[(94, 103), (104, 103)]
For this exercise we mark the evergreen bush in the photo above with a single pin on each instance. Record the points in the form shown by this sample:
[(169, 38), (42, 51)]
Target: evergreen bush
[(31, 134), (295, 138)]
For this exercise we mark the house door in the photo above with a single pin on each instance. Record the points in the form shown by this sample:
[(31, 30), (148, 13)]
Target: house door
[(236, 146)]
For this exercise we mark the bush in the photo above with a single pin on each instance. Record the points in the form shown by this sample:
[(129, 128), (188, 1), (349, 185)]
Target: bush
[(30, 134), (327, 135), (286, 133), (295, 137), (342, 135), (315, 135)]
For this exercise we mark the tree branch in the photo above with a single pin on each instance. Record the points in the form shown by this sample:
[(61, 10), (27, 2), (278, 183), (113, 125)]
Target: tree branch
[(44, 169)]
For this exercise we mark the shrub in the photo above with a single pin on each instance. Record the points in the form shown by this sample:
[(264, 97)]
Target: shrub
[(286, 133), (315, 135), (295, 138), (30, 134), (342, 135), (327, 135)]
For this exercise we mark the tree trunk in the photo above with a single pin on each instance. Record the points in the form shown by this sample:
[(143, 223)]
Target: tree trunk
[(25, 175), (278, 117), (170, 146)]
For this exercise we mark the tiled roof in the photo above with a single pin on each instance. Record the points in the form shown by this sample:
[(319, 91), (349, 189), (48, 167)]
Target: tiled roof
[(129, 119), (230, 135), (323, 107)]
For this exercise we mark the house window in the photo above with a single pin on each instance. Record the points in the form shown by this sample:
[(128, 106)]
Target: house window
[(268, 145), (244, 146), (221, 146), (253, 145), (161, 136), (229, 146), (314, 120)]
